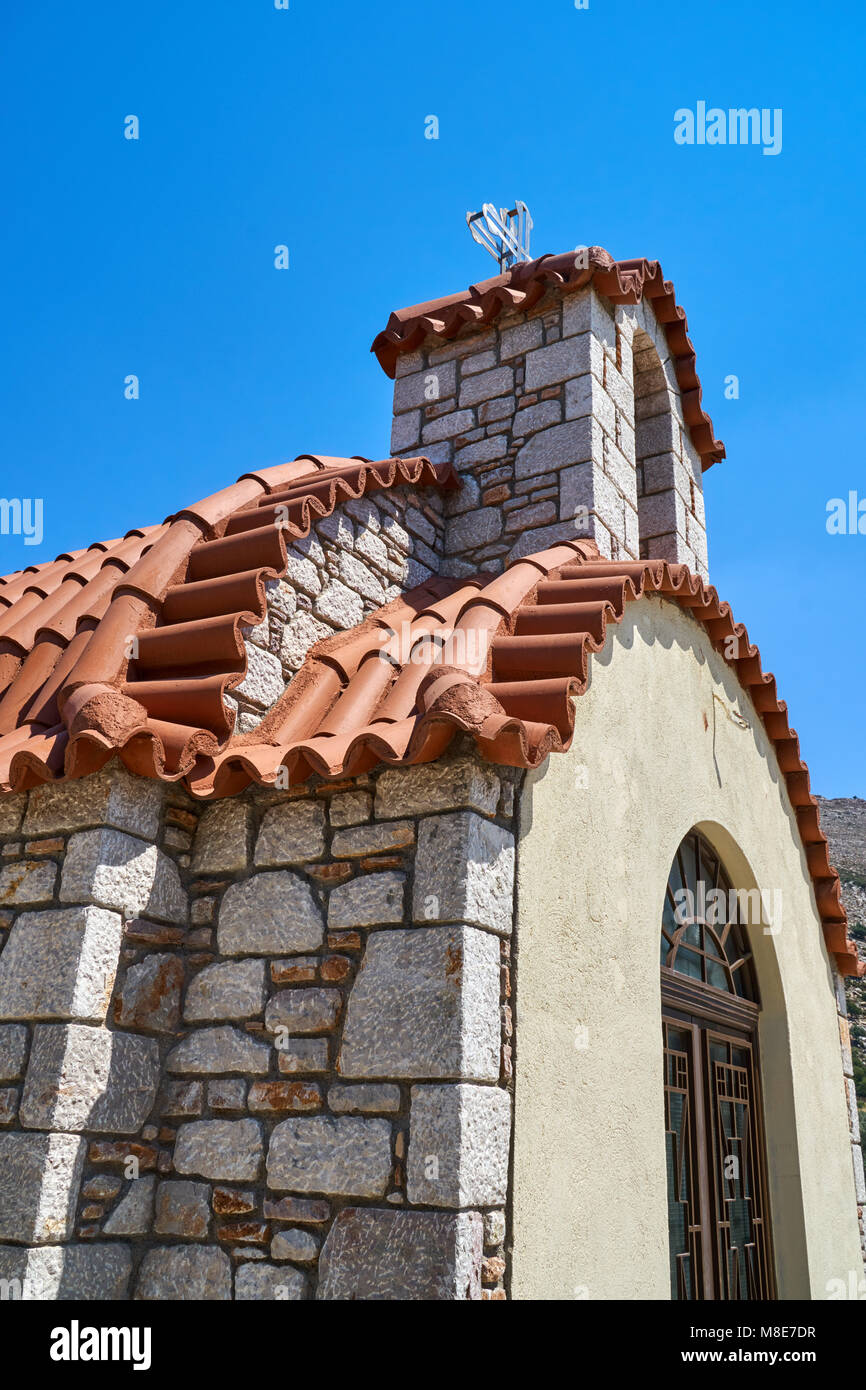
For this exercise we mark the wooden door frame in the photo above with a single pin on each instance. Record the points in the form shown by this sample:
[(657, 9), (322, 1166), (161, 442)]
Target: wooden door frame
[(702, 1010), (749, 1041)]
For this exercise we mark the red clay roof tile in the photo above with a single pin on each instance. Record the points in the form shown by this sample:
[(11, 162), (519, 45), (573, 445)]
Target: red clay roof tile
[(183, 590), (522, 287), (508, 652)]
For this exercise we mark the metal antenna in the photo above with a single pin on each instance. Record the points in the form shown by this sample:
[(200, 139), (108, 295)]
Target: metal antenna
[(503, 234)]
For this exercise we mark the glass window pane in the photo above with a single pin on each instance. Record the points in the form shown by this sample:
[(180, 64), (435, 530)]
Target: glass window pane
[(700, 1063), (690, 868), (717, 975), (692, 934), (693, 858), (688, 963), (675, 879), (669, 920)]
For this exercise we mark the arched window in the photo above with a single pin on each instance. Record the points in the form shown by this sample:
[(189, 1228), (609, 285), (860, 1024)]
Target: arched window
[(701, 933), (719, 1236)]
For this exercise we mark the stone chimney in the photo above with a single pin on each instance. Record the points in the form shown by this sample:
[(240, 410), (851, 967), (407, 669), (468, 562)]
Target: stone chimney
[(564, 415)]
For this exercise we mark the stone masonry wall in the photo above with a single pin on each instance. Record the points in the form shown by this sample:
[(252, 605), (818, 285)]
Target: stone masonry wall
[(853, 1111), (670, 500), (366, 553), (258, 1048), (538, 414)]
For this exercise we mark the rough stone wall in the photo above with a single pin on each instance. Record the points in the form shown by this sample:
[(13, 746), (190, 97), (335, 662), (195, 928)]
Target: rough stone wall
[(296, 1087), (84, 863), (368, 552), (537, 413), (670, 499), (853, 1111), (843, 821)]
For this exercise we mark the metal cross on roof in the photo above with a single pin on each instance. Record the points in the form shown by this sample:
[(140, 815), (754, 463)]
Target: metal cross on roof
[(503, 234)]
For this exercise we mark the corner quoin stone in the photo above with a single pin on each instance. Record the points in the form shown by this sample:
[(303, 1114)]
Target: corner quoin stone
[(60, 964), (88, 1078), (112, 797), (464, 872), (401, 1255), (41, 1178), (425, 1004), (64, 1273), (122, 872), (467, 1131)]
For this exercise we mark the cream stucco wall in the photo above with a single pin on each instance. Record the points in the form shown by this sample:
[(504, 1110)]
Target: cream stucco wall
[(665, 740)]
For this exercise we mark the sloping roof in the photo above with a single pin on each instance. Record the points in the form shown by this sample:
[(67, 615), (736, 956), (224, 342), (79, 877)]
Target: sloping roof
[(622, 282), (69, 696), (510, 653)]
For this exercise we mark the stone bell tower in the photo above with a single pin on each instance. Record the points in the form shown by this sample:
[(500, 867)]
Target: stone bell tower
[(565, 394)]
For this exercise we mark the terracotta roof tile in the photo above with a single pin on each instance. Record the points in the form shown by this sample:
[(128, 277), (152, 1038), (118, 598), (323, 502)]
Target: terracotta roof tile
[(511, 652), (525, 285), (534, 629), (69, 694)]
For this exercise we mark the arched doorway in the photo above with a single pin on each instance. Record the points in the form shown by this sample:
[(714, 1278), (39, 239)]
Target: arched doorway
[(718, 1217)]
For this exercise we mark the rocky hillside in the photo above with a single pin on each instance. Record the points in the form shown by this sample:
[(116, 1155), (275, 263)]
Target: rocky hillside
[(844, 823)]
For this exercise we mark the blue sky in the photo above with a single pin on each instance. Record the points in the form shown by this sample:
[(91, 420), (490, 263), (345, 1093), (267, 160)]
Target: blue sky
[(261, 126)]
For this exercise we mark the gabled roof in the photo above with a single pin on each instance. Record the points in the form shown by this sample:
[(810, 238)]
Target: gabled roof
[(526, 284), (511, 652)]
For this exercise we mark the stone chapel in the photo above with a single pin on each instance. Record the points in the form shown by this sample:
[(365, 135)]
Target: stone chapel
[(410, 883)]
